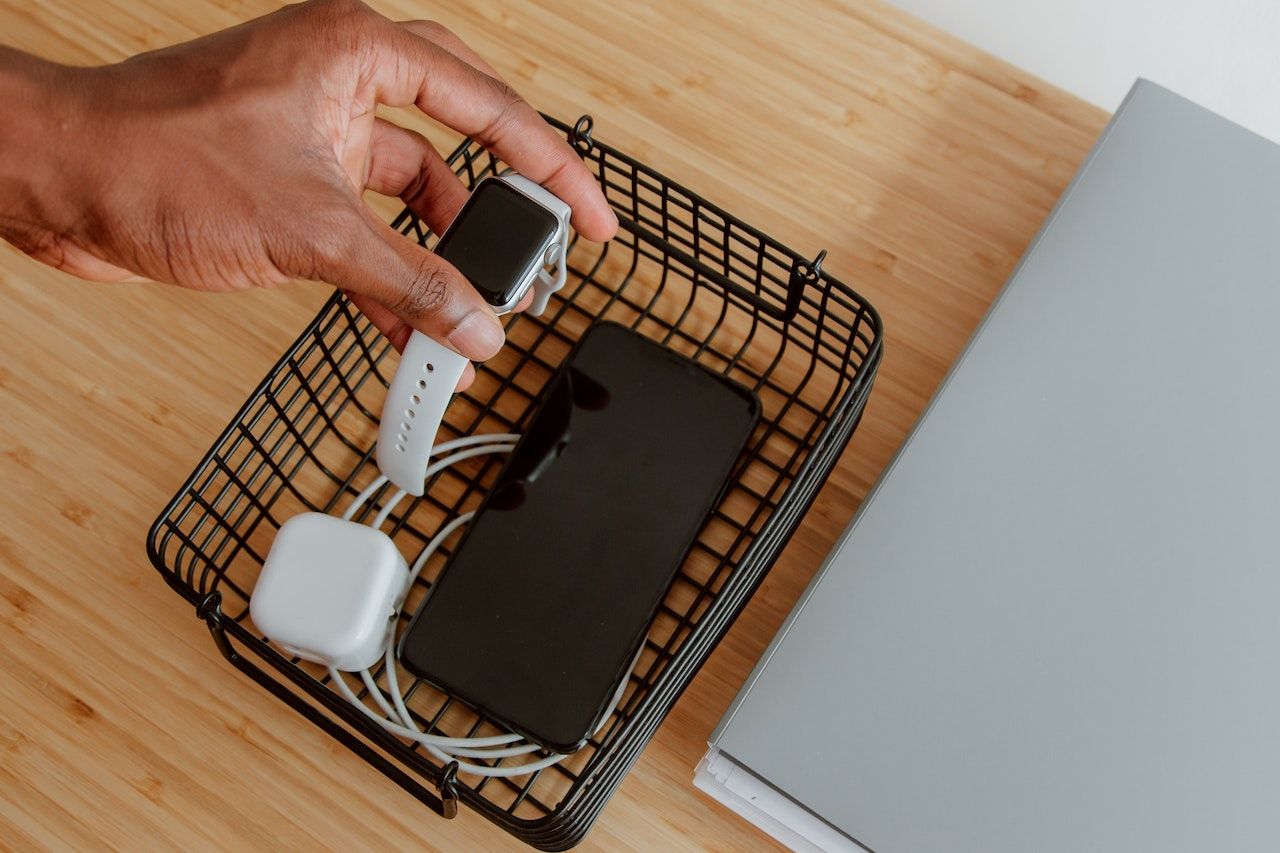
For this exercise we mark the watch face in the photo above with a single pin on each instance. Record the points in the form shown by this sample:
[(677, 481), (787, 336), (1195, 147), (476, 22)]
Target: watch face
[(496, 238)]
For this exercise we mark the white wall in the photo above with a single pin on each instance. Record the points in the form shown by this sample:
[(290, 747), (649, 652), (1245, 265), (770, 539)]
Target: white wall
[(1224, 54)]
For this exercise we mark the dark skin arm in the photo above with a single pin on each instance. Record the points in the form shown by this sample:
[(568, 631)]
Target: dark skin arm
[(238, 160)]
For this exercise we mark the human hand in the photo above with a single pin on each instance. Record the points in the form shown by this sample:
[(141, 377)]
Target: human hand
[(239, 159)]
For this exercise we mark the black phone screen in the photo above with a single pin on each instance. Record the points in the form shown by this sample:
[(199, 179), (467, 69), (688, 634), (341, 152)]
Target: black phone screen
[(541, 607), (496, 237)]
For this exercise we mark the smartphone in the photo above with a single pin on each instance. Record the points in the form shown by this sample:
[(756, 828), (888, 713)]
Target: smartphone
[(537, 615)]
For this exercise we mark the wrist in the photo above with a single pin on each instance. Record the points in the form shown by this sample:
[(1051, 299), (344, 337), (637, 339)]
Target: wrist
[(36, 141)]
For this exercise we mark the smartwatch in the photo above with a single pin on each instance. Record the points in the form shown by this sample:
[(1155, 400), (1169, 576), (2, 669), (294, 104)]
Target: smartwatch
[(510, 236)]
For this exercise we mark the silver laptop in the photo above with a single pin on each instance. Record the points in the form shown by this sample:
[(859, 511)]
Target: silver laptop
[(1054, 625)]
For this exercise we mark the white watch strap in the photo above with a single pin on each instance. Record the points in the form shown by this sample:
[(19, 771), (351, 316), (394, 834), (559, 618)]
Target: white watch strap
[(415, 404), (545, 285)]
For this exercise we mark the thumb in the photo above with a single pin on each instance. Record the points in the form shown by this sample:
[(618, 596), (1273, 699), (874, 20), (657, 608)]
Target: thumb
[(418, 286)]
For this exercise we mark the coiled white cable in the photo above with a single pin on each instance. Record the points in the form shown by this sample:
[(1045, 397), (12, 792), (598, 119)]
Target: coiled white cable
[(400, 721), (448, 447)]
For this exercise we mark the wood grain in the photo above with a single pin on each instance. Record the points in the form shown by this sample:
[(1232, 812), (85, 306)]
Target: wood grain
[(922, 165)]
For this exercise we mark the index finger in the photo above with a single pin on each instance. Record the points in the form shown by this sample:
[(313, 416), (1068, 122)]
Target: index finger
[(408, 69)]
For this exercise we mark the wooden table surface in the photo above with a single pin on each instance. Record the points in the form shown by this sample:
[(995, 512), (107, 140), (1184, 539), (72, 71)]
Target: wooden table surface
[(921, 164)]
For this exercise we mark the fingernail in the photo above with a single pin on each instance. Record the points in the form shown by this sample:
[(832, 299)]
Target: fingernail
[(478, 336)]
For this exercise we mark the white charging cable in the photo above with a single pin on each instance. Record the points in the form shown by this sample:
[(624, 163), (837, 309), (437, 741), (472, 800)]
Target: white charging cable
[(498, 442), (395, 716)]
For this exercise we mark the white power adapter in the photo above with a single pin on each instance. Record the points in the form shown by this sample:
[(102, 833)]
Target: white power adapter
[(330, 590)]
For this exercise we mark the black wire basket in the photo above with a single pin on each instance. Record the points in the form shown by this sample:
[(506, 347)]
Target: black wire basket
[(681, 271)]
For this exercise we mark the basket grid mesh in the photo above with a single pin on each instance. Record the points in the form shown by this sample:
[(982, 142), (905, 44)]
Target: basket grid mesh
[(681, 271)]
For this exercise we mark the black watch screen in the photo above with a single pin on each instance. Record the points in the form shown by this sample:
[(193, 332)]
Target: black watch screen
[(495, 239)]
